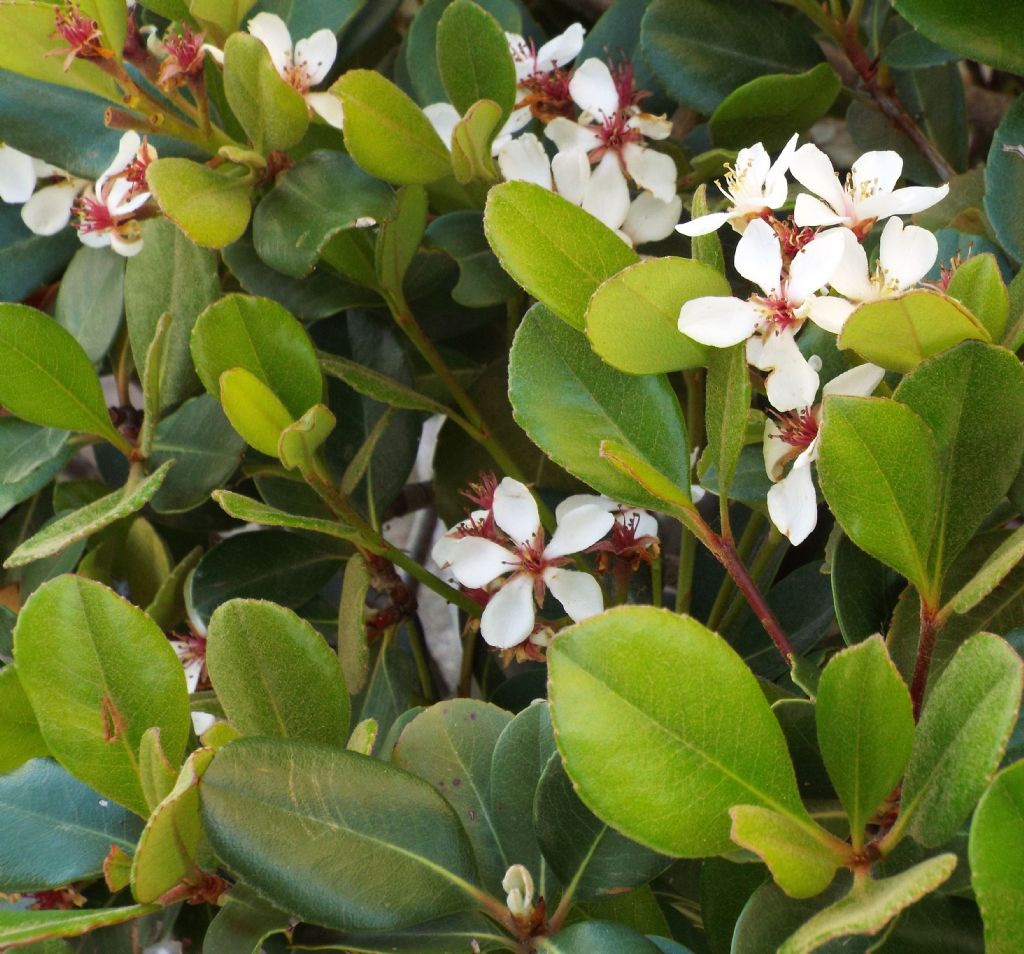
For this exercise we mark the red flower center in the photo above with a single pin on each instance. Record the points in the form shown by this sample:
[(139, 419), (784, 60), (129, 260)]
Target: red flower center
[(798, 428)]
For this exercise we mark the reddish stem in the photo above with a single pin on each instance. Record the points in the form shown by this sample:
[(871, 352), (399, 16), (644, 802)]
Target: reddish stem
[(931, 623)]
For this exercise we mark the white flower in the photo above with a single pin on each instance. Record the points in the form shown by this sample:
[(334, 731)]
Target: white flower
[(44, 211), (612, 131), (301, 65), (755, 184), (191, 652), (17, 175), (444, 117), (532, 63), (644, 524), (769, 322), (867, 195), (905, 256), (476, 561), (792, 504), (602, 192)]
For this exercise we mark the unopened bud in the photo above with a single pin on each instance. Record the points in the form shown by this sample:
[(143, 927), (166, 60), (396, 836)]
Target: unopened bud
[(519, 885)]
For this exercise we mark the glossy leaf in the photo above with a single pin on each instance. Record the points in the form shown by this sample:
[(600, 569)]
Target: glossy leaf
[(399, 240), (20, 739), (979, 287), (211, 208), (639, 695), (336, 838), (597, 937), (90, 300), (482, 281), (474, 59), (255, 511), (353, 647), (275, 675), (726, 403), (19, 927), (111, 676), (1004, 179), (556, 251), (378, 386)]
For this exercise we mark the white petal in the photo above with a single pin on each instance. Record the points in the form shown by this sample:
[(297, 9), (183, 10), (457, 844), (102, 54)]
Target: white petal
[(126, 247), (718, 321), (876, 172), (606, 196), (215, 52), (561, 49), (273, 33), (515, 511), (810, 212), (446, 548), (793, 383), (127, 149), (521, 56), (328, 107), (759, 256), (851, 277), (703, 224), (651, 170), (525, 159), (902, 202), (95, 239), (650, 219), (517, 119), (571, 173), (814, 265), (444, 117), (316, 54), (860, 381), (582, 527), (575, 501), (653, 127), (813, 170), (792, 504), (906, 254), (776, 188), (753, 165), (193, 670), (828, 312), (774, 449), (579, 593), (17, 175), (202, 722), (475, 561), (49, 210), (44, 170), (593, 89), (646, 524), (508, 618), (567, 135)]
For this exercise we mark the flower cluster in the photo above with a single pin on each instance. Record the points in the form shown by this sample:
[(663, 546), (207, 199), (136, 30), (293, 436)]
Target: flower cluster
[(592, 116), (499, 553), (810, 266)]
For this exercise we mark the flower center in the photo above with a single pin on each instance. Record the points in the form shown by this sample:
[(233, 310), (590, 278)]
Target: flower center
[(82, 33), (548, 95), (798, 428), (186, 49), (93, 215), (777, 311), (616, 133)]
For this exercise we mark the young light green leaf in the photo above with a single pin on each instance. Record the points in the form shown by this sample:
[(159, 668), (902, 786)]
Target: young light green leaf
[(20, 739), (364, 737), (211, 208), (978, 285), (90, 519), (353, 648), (255, 511), (110, 677), (399, 240), (156, 774), (663, 729), (673, 499), (275, 675), (556, 251), (299, 442), (20, 927), (378, 386), (471, 143), (994, 570), (474, 58), (865, 725)]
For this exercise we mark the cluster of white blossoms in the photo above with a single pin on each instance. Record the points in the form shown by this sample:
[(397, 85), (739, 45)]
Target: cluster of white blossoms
[(592, 117), (810, 267), (499, 554)]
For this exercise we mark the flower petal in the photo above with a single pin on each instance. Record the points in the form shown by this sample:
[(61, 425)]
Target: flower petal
[(49, 210), (792, 383), (316, 54), (651, 170), (653, 127), (851, 277), (567, 135), (606, 196), (214, 52), (810, 212), (646, 524), (525, 159), (814, 171), (775, 450), (876, 172), (560, 49), (509, 616), (444, 117), (127, 149), (570, 171), (718, 321), (126, 247), (475, 561), (759, 256), (273, 33), (575, 501), (650, 219), (902, 202), (17, 175), (776, 188), (814, 265), (906, 254), (579, 593), (792, 504), (593, 89), (828, 312), (515, 511), (703, 224), (860, 381), (517, 119), (328, 107), (581, 527)]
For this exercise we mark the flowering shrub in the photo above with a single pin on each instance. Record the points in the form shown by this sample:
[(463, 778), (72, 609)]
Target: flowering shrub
[(496, 476)]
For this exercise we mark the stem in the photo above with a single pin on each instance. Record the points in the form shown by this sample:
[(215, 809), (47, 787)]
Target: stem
[(469, 641), (684, 576), (751, 534), (816, 13), (931, 623), (767, 554), (418, 644), (656, 581)]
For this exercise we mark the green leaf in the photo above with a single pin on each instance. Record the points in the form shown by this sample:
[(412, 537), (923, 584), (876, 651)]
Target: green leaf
[(275, 675), (997, 841), (211, 208), (299, 442), (1004, 181), (90, 519), (111, 676), (168, 606), (257, 334), (20, 739), (255, 511), (170, 843), (727, 401), (706, 249), (672, 499), (878, 469), (273, 114), (21, 926), (556, 251), (986, 34), (899, 333), (47, 378), (597, 937), (568, 401), (353, 648), (580, 848), (156, 774), (169, 276), (450, 746), (482, 280), (864, 592), (704, 49), (978, 285), (870, 905), (336, 838), (399, 240), (769, 109), (321, 195), (802, 861), (972, 398), (967, 719), (378, 386), (1007, 556), (865, 729), (471, 143), (387, 133), (25, 447), (474, 58), (244, 923), (632, 317), (54, 830), (90, 299), (663, 729)]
